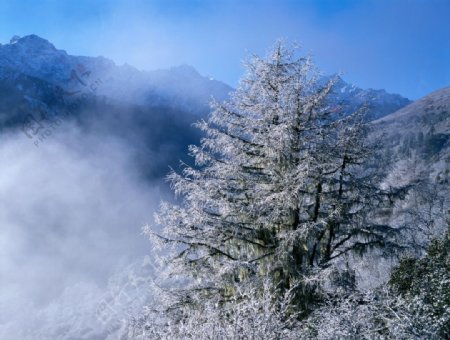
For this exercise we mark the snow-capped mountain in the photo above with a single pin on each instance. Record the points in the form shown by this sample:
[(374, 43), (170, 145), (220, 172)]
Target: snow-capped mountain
[(379, 103), (179, 86), (36, 57)]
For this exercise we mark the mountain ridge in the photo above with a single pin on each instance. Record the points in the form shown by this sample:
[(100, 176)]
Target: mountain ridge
[(179, 85), (37, 57)]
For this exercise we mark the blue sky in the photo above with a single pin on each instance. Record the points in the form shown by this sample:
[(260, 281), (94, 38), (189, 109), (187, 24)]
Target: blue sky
[(402, 46)]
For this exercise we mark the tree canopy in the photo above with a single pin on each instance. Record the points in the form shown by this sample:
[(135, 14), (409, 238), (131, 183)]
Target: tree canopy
[(281, 195)]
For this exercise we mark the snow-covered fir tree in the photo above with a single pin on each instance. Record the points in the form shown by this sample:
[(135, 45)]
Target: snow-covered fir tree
[(281, 191)]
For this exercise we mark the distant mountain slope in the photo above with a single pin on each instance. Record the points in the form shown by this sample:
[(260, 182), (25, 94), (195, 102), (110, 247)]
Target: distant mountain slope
[(178, 86), (414, 147), (422, 127), (433, 108)]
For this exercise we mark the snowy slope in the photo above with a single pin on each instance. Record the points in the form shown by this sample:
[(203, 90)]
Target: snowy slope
[(414, 143), (422, 127)]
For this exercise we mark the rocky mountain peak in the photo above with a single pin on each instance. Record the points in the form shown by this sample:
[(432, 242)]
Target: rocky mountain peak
[(32, 42)]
